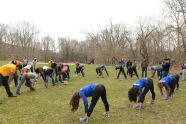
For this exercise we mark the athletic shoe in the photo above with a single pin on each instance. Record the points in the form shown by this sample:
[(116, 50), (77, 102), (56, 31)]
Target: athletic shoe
[(106, 114), (166, 98), (11, 96), (18, 93), (151, 102), (138, 107), (46, 86), (83, 120), (177, 89), (32, 89)]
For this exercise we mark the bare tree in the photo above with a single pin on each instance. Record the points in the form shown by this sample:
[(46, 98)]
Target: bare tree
[(177, 9), (48, 47), (3, 34), (144, 31)]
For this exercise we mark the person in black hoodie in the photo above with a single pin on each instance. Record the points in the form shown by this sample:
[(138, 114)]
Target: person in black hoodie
[(144, 66), (165, 67), (128, 64)]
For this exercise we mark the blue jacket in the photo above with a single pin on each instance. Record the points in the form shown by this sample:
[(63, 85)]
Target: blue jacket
[(174, 76), (141, 83), (166, 80), (122, 63), (85, 92)]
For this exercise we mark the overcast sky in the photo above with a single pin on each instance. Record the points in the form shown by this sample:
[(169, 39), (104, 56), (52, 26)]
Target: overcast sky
[(73, 18)]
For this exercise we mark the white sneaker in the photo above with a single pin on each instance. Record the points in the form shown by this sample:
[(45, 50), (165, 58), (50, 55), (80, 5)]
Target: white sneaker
[(106, 114), (83, 120)]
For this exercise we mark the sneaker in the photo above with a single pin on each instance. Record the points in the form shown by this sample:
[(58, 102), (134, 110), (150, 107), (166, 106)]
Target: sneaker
[(83, 120), (11, 96), (177, 89), (32, 89), (151, 102), (106, 114), (18, 93), (138, 107), (46, 86), (166, 98)]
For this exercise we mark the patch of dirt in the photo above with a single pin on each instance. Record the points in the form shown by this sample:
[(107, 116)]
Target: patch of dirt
[(151, 111)]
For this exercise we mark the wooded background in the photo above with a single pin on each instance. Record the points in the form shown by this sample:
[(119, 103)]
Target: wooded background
[(153, 38)]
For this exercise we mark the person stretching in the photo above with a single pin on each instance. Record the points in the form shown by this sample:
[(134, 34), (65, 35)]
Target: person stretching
[(26, 77), (169, 84), (139, 90), (121, 69), (95, 91), (46, 73), (6, 76), (80, 68), (99, 70)]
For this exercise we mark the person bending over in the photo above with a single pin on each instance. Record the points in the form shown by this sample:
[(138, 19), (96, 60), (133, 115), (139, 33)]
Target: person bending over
[(169, 84), (157, 69), (80, 68), (65, 74), (6, 76), (99, 70), (95, 91), (131, 70), (26, 77), (139, 90), (46, 73)]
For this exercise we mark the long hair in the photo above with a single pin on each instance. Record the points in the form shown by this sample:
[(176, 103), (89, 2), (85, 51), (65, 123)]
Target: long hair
[(132, 94), (160, 85), (74, 102)]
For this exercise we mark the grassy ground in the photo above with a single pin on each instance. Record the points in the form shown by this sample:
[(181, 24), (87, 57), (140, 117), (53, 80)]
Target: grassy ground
[(51, 106)]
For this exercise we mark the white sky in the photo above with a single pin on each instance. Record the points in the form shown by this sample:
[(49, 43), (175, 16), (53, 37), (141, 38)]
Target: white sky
[(73, 18)]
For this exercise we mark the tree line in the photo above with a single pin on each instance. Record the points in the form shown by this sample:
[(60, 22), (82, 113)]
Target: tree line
[(152, 39)]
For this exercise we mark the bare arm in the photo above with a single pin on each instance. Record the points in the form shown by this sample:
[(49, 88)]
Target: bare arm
[(10, 78), (161, 92)]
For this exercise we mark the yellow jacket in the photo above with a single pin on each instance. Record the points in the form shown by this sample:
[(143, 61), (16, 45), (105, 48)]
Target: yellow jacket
[(7, 70)]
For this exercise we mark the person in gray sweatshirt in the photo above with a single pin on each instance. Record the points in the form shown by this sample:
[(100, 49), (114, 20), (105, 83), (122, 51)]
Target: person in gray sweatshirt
[(26, 77)]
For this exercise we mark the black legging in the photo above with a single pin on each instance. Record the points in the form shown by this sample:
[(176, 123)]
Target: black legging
[(144, 70), (132, 70), (4, 82), (149, 86), (99, 71), (172, 85), (123, 72), (98, 91), (176, 81)]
